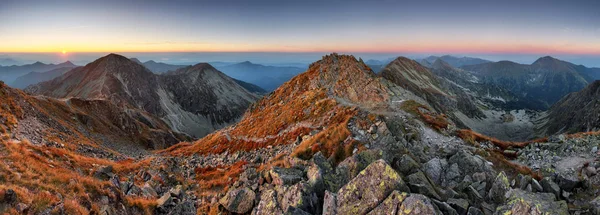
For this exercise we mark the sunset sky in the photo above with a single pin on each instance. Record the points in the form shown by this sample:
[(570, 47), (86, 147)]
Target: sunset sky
[(434, 26)]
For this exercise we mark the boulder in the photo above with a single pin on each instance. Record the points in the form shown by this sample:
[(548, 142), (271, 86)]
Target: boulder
[(104, 173), (474, 211), (568, 182), (417, 204), (535, 185), (499, 188), (285, 176), (300, 196), (296, 211), (184, 208), (369, 188), (550, 187), (165, 201), (406, 165), (268, 204), (329, 203), (240, 200), (444, 207), (419, 183), (350, 167), (390, 205), (522, 202), (460, 205), (435, 169)]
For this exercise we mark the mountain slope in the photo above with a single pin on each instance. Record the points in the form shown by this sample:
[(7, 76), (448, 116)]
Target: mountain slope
[(266, 77), (443, 96), (37, 77), (547, 79), (195, 100), (576, 112), (9, 73)]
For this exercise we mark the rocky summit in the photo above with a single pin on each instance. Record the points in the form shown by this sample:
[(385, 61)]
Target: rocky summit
[(114, 138)]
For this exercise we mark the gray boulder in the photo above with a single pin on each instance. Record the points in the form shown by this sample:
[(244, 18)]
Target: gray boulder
[(499, 188), (523, 202), (240, 200), (285, 176), (371, 186), (390, 205)]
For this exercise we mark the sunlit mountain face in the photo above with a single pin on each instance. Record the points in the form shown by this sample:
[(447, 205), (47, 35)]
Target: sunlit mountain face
[(299, 107)]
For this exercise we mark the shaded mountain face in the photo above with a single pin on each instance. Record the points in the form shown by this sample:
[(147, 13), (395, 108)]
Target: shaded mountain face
[(576, 112), (37, 77), (547, 79), (8, 74), (266, 77), (159, 68), (194, 100), (453, 61), (495, 95), (92, 123), (441, 94)]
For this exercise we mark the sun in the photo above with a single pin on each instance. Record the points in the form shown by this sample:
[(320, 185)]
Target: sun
[(64, 51)]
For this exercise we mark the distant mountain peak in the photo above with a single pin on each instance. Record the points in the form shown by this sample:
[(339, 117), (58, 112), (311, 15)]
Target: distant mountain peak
[(67, 64), (546, 60), (440, 64)]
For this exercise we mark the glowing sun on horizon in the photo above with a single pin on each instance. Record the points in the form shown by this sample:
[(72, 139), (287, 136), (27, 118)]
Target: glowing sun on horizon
[(64, 51)]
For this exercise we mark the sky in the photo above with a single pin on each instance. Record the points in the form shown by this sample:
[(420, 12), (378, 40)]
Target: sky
[(510, 29)]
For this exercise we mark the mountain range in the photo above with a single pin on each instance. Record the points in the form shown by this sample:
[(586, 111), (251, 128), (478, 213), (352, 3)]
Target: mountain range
[(8, 74), (194, 100), (114, 137)]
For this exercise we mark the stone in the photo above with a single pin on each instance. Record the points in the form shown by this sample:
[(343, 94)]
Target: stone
[(452, 177), (295, 211), (10, 196), (434, 168), (419, 183), (390, 205), (104, 172), (522, 202), (267, 204), (107, 210), (369, 188), (240, 200), (300, 196), (351, 166), (329, 203), (184, 208), (473, 195), (460, 205), (148, 191), (535, 185), (416, 204), (550, 187), (165, 201), (499, 188), (406, 165), (568, 182), (444, 207), (285, 176), (474, 211)]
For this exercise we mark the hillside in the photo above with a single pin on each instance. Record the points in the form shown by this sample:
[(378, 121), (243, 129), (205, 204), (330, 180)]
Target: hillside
[(576, 112), (194, 100)]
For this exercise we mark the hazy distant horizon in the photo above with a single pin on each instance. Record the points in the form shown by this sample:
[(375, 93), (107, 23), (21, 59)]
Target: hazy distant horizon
[(273, 58)]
